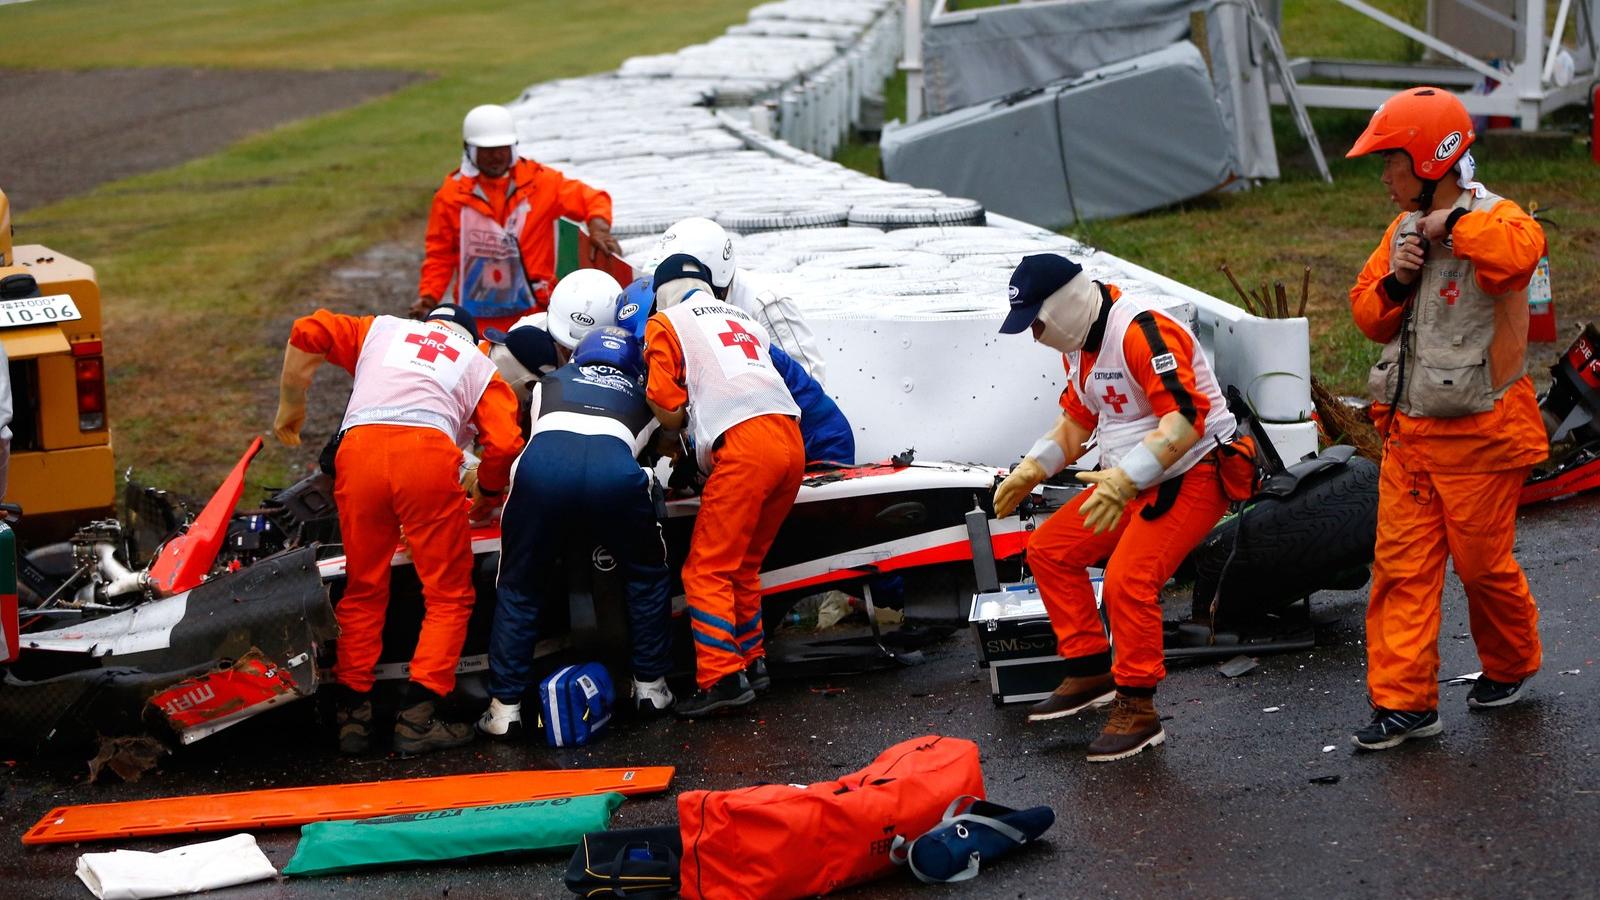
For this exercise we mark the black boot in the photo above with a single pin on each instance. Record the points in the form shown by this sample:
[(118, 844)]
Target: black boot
[(758, 676), (417, 730)]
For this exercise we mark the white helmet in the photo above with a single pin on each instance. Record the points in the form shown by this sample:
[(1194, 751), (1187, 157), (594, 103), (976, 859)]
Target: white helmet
[(582, 301), (704, 240), (489, 126)]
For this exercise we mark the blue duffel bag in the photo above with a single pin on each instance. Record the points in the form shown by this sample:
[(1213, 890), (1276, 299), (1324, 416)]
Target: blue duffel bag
[(575, 704)]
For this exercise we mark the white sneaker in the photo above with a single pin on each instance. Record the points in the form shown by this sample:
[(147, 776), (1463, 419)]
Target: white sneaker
[(501, 720), (652, 696)]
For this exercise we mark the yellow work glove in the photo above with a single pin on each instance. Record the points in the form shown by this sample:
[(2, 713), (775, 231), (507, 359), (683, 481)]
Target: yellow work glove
[(1112, 489), (1027, 475), (291, 418)]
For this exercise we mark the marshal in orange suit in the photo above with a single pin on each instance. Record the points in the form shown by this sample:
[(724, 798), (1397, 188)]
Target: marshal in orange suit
[(1446, 293)]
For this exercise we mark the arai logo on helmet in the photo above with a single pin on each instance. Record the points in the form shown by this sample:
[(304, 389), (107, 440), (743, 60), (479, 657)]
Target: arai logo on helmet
[(627, 311), (727, 249), (1011, 293), (1447, 146), (582, 318)]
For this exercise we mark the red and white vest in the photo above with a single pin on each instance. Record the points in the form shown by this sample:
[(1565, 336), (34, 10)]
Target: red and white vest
[(417, 373), (1119, 401), (728, 369)]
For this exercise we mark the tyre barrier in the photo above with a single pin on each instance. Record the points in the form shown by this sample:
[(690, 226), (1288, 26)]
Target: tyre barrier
[(779, 216), (919, 211), (736, 129)]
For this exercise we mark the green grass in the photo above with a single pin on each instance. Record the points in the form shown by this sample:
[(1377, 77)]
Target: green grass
[(202, 264), (1273, 232)]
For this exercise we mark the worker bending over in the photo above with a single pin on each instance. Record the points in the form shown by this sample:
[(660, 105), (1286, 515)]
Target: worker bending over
[(418, 387), (580, 476), (1137, 379), (711, 371), (824, 430), (1446, 293)]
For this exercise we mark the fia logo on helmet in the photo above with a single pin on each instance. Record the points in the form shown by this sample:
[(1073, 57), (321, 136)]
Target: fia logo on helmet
[(1447, 146)]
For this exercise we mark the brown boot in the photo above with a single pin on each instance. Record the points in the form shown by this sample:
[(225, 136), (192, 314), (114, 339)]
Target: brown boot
[(1134, 726), (1076, 694), (416, 730), (354, 718)]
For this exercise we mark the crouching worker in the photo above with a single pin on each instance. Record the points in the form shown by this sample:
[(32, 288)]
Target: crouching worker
[(1137, 378), (710, 367), (418, 385), (580, 474)]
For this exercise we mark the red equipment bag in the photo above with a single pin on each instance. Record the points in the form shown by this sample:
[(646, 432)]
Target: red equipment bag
[(780, 841)]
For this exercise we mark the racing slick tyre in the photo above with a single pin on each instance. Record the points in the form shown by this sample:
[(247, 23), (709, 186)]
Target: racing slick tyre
[(1292, 547)]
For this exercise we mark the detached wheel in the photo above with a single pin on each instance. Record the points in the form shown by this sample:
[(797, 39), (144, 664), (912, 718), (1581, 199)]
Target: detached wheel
[(1317, 539)]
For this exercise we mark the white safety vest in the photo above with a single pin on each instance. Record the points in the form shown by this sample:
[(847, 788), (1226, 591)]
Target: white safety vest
[(1120, 403), (417, 373), (728, 370)]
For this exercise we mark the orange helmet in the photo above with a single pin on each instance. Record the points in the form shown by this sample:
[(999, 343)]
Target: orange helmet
[(1430, 124)]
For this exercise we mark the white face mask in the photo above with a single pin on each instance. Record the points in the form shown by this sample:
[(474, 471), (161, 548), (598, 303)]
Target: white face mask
[(1068, 314), (672, 293)]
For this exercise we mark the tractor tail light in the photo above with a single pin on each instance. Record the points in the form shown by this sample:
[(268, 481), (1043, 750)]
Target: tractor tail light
[(91, 377)]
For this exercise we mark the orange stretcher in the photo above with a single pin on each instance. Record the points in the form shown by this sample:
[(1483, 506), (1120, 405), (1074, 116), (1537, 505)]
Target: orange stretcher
[(284, 807)]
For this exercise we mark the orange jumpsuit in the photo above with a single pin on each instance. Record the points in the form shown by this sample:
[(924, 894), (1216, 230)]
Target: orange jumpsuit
[(1139, 554), (756, 474), (1448, 488), (394, 477), (549, 195)]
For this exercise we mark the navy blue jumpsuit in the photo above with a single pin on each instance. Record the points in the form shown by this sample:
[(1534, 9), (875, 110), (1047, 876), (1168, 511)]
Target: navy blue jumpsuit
[(579, 475)]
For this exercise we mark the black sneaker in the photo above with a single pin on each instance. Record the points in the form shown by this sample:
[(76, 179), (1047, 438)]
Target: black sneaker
[(733, 690), (1488, 693), (1392, 727), (757, 673)]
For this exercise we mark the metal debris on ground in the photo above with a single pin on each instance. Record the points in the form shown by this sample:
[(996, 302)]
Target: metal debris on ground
[(1237, 666), (1271, 709), (1570, 671), (1326, 779), (1469, 678), (1328, 748)]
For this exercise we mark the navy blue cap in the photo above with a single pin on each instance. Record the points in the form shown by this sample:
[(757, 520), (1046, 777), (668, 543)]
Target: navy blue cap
[(680, 265), (453, 313), (533, 347), (1036, 278)]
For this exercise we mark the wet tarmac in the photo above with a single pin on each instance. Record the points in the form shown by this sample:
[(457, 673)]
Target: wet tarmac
[(1503, 804)]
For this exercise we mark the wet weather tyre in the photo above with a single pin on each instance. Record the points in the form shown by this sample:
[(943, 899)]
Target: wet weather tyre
[(1292, 547)]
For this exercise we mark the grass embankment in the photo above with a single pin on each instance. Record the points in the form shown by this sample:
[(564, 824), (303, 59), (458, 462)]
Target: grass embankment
[(1274, 231), (202, 265)]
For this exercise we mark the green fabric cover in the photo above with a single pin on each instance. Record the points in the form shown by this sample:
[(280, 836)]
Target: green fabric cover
[(446, 834)]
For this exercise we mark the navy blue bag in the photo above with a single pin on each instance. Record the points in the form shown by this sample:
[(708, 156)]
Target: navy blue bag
[(575, 704)]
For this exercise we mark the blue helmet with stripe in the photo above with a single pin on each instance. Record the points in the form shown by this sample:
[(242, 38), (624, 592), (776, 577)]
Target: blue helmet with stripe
[(635, 304), (611, 346)]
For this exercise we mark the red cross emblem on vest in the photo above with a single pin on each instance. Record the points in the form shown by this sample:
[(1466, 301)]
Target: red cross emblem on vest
[(430, 348), (1114, 399), (1450, 292), (736, 336)]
